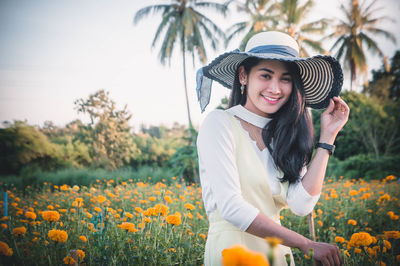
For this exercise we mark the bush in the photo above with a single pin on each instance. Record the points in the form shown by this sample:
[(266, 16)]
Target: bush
[(365, 166)]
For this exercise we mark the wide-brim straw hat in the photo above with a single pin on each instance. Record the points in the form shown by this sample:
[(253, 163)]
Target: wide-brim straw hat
[(321, 75)]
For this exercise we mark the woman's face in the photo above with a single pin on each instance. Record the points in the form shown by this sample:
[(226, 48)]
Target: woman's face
[(268, 85)]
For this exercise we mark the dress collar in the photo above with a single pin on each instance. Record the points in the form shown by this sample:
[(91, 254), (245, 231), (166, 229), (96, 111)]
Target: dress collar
[(250, 117)]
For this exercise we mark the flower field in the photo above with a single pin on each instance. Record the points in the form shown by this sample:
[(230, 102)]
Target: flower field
[(142, 223)]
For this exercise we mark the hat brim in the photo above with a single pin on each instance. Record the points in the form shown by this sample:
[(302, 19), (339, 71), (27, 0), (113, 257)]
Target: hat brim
[(321, 76)]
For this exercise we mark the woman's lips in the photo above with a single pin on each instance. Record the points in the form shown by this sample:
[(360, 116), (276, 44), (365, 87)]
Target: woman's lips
[(270, 100)]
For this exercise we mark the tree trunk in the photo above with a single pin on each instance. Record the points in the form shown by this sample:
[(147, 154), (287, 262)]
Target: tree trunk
[(196, 176)]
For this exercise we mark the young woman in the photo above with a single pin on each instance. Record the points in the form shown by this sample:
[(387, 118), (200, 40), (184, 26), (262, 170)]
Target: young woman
[(255, 157)]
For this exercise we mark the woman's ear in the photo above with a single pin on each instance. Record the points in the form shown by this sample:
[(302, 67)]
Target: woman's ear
[(242, 75)]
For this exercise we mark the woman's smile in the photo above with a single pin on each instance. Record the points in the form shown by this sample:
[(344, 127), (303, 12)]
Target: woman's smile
[(269, 85)]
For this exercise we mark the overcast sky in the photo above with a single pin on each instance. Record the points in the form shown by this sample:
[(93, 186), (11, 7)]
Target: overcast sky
[(54, 52)]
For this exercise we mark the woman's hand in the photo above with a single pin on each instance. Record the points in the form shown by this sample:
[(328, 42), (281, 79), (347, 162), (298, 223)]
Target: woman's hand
[(333, 119), (325, 253)]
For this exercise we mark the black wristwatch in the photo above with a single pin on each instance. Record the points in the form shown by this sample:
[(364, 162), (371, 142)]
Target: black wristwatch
[(326, 146)]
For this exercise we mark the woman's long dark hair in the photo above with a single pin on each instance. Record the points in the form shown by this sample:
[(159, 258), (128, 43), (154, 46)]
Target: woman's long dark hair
[(289, 135)]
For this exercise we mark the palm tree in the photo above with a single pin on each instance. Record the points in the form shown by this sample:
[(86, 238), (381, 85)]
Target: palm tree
[(183, 23), (261, 15), (359, 28), (292, 16)]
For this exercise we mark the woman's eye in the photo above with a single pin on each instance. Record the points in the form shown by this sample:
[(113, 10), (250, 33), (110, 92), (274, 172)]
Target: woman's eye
[(266, 76), (287, 79)]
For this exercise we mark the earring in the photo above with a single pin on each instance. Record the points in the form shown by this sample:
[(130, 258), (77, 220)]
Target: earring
[(242, 87)]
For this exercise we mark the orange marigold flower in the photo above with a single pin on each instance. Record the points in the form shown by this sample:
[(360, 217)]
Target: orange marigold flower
[(273, 241), (392, 234), (4, 226), (390, 178), (387, 244), (353, 192), (360, 239), (152, 198), (68, 260), (58, 235), (81, 254), (161, 209), (240, 255), (83, 238), (168, 199), (130, 227), (19, 231), (51, 216), (352, 222), (357, 250), (5, 249), (30, 215), (203, 236), (129, 215), (189, 206), (339, 239), (174, 219)]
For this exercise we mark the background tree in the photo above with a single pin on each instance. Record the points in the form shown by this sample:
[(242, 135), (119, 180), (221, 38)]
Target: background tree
[(24, 146), (108, 133), (261, 15), (292, 22), (182, 22), (357, 32), (385, 85)]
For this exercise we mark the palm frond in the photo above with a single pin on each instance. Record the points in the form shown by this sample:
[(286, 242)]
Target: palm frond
[(146, 11)]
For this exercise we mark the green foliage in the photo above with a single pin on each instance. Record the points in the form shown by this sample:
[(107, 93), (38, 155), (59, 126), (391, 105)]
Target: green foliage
[(385, 85), (86, 176), (22, 145), (184, 162), (365, 166), (108, 134)]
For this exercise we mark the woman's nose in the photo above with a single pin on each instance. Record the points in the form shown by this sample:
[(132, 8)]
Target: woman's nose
[(273, 87)]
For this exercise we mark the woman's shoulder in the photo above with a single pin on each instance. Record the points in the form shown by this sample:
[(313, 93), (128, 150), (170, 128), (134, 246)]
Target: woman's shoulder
[(216, 118), (216, 121)]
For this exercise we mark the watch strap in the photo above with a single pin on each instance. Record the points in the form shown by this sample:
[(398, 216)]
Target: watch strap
[(326, 146)]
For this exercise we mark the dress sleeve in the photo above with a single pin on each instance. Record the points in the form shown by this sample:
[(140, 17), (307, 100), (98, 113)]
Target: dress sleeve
[(299, 200), (218, 171)]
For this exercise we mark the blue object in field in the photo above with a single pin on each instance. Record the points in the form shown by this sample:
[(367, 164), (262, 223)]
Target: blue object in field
[(5, 199)]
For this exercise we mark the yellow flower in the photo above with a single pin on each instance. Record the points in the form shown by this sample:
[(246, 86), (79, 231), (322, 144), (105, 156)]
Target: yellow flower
[(240, 255), (174, 219), (360, 239), (129, 215), (5, 249), (202, 236), (4, 226), (83, 238), (19, 231), (357, 250), (30, 215), (189, 206), (152, 198), (69, 260), (58, 235), (51, 216), (97, 209), (339, 239), (273, 241)]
